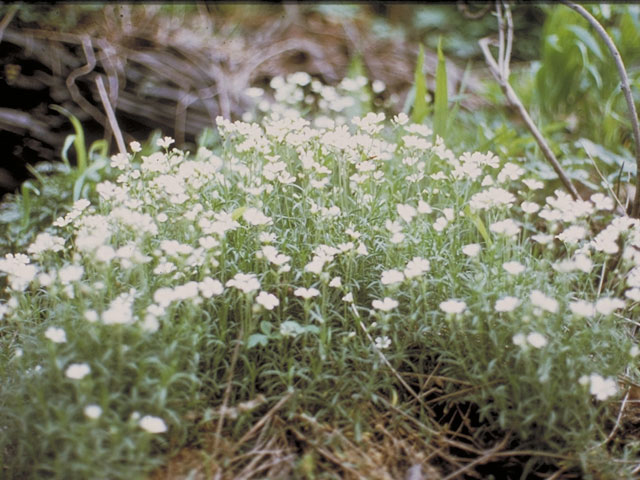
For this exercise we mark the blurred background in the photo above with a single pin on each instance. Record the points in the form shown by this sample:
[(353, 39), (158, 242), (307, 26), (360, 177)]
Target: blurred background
[(175, 67)]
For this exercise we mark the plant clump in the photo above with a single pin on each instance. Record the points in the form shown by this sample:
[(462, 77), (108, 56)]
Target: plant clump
[(319, 284)]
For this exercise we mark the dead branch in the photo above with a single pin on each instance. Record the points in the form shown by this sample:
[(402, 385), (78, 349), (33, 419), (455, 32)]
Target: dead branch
[(6, 20), (110, 115), (501, 74)]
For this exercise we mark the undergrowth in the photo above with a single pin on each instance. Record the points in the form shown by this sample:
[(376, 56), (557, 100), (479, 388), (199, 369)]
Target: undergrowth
[(319, 287)]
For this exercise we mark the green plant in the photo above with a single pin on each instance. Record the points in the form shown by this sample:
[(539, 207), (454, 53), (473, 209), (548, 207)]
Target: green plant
[(318, 271)]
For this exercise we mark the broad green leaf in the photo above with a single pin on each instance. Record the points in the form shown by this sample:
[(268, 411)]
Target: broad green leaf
[(420, 107), (441, 100), (257, 339)]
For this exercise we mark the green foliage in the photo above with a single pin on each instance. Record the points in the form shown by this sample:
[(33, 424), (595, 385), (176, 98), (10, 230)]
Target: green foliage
[(577, 76), (357, 240), (441, 97), (420, 108)]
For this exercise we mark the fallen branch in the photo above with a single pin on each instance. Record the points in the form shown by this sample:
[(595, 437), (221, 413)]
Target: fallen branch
[(6, 20), (633, 115), (502, 77), (110, 115)]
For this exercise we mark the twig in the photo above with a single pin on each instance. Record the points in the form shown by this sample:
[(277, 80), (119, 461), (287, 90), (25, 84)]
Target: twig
[(633, 115), (110, 115), (6, 20), (617, 425), (393, 370), (479, 461), (512, 97), (260, 423), (87, 48)]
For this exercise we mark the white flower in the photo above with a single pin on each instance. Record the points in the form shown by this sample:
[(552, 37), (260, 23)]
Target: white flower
[(120, 161), (507, 304), (247, 282), (391, 277), (537, 340), (152, 424), (120, 310), (267, 300), (164, 142), (70, 274), (542, 238), (105, 253), (135, 147), (573, 234), (506, 227), (401, 118), (471, 250), (348, 298), (529, 207), (253, 216), (582, 308), (440, 224), (46, 242), (453, 306), (606, 306), (336, 282), (385, 305), (77, 371), (306, 293), (406, 212), (510, 171), (602, 202), (533, 184), (540, 300), (382, 342), (519, 339), (424, 207), (514, 268), (492, 197), (602, 388), (416, 267), (633, 294), (56, 335), (209, 287), (92, 411)]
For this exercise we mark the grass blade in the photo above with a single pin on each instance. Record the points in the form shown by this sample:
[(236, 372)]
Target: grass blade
[(420, 107), (79, 143), (441, 101)]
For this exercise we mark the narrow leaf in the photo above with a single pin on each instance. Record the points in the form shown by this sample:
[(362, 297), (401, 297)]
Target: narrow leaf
[(420, 108), (79, 144), (477, 221), (441, 100)]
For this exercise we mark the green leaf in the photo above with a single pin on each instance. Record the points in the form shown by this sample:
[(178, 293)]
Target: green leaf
[(257, 339), (65, 148), (79, 143), (587, 39), (441, 100), (265, 327), (420, 107), (237, 213), (101, 146), (477, 221)]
